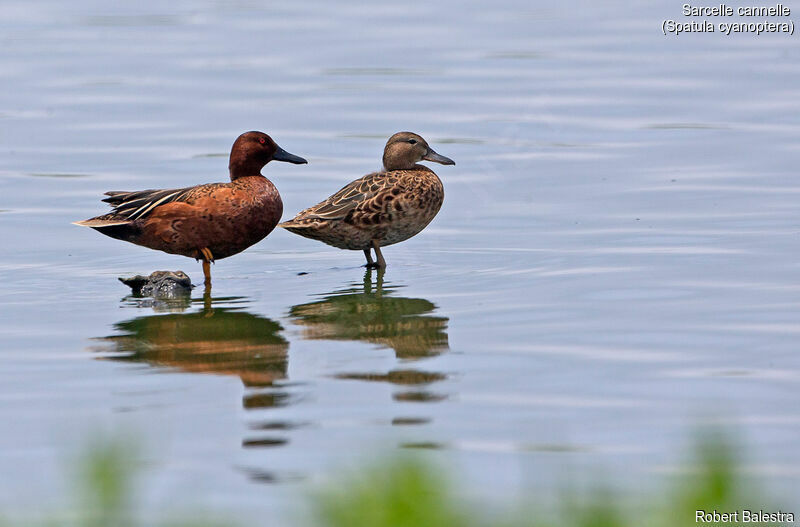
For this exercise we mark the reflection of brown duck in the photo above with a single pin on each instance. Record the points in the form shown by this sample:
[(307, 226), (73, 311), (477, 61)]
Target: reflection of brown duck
[(373, 315), (223, 341)]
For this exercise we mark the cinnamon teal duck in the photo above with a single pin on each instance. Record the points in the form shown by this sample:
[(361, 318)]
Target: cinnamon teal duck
[(381, 208), (205, 222)]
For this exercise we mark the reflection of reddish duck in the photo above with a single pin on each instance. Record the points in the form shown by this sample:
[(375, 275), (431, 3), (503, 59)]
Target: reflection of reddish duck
[(205, 222), (382, 208)]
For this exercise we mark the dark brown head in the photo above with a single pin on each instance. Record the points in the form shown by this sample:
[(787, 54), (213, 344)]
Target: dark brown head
[(405, 149), (252, 150)]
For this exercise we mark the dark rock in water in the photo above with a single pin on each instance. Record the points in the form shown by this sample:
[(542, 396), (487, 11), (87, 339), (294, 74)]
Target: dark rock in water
[(160, 284)]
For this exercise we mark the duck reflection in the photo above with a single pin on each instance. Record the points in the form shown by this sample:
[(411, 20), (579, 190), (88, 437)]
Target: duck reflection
[(216, 340), (369, 312)]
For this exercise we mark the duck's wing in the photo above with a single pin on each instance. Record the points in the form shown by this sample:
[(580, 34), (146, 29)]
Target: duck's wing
[(131, 206), (366, 193)]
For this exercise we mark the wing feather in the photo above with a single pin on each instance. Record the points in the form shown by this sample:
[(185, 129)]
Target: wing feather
[(130, 206), (354, 196)]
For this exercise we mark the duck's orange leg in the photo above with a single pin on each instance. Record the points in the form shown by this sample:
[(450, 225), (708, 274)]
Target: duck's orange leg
[(207, 273), (208, 258)]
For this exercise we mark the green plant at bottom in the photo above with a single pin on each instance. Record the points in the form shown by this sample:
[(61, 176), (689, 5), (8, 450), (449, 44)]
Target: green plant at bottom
[(406, 492)]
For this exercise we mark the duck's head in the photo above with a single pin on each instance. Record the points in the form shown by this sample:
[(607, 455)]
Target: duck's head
[(405, 149), (252, 150)]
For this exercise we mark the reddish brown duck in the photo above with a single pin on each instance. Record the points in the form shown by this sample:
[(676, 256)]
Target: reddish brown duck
[(206, 222), (382, 208)]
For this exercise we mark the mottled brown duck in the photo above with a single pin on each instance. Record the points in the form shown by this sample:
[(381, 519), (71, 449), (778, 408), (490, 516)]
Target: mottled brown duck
[(381, 208), (205, 222)]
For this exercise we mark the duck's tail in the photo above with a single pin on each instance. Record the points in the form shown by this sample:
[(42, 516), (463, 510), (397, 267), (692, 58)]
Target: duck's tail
[(118, 228), (297, 228), (290, 224), (99, 222), (306, 229)]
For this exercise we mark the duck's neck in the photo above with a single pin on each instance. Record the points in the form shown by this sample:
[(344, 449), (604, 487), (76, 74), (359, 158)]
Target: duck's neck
[(240, 166), (392, 161), (412, 166)]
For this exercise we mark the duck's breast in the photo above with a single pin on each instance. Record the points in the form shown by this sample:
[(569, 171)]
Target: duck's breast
[(247, 215), (409, 206)]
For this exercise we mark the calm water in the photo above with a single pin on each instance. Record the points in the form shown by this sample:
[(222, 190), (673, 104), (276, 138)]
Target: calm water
[(616, 259)]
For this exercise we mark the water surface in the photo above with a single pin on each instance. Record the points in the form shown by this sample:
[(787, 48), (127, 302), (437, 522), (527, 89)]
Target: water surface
[(616, 258)]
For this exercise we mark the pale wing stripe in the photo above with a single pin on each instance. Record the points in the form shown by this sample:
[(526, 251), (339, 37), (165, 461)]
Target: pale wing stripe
[(127, 206), (136, 201), (133, 214), (147, 207)]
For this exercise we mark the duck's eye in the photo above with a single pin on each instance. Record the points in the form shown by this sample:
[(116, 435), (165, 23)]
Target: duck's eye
[(262, 140), (412, 141)]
